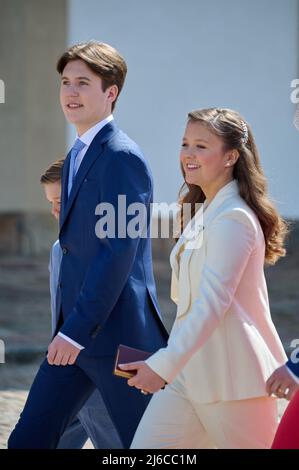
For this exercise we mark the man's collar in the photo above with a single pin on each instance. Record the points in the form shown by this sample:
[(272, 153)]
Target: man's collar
[(90, 134)]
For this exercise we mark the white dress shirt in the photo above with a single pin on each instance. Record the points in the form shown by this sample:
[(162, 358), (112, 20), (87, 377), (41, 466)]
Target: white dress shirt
[(87, 138)]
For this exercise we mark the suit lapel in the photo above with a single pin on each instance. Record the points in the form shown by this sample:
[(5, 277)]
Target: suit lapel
[(64, 186), (174, 256), (190, 241), (93, 152), (180, 256)]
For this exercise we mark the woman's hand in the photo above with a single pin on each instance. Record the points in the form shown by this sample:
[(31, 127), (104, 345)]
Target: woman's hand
[(146, 380), (282, 384)]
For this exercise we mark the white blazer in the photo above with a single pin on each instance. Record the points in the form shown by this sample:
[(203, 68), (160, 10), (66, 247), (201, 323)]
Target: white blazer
[(223, 344)]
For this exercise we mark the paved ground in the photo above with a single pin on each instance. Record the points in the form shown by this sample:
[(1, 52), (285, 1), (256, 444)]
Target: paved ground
[(13, 397), (12, 402)]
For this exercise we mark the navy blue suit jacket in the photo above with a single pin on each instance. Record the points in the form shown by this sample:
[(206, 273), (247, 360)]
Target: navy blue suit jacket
[(106, 290), (294, 367)]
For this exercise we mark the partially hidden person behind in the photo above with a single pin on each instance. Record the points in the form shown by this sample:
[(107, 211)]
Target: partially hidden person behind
[(93, 420), (223, 345), (284, 383), (106, 291)]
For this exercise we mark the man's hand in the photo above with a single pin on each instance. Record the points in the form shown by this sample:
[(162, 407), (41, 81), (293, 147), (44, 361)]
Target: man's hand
[(282, 384), (61, 352), (146, 379)]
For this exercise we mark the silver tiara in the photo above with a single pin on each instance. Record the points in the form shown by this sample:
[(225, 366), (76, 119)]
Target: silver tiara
[(244, 138)]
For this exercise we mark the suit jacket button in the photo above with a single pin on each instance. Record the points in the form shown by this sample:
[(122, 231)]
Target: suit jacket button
[(64, 251)]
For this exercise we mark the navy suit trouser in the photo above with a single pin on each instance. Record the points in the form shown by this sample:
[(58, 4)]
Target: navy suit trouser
[(59, 392)]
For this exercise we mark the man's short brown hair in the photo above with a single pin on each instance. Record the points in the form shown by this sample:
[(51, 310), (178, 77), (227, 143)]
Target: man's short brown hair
[(102, 59), (52, 173)]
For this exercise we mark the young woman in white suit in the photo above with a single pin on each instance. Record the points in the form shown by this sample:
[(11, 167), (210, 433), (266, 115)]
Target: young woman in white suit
[(223, 345)]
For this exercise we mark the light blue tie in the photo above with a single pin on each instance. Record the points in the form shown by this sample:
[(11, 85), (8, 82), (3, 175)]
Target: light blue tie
[(78, 146)]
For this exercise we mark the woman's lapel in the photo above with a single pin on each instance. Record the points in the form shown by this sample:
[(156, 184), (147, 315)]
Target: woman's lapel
[(189, 242)]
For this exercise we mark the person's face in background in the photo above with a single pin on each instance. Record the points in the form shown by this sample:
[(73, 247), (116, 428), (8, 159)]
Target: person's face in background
[(53, 194)]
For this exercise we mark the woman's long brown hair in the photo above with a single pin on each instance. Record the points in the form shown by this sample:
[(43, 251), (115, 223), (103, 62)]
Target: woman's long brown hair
[(229, 126)]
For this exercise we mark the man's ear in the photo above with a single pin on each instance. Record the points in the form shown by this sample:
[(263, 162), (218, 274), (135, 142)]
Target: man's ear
[(112, 93)]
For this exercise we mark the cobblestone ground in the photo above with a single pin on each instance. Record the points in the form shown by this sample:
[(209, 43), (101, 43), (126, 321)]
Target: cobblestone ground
[(12, 402), (15, 381), (12, 399)]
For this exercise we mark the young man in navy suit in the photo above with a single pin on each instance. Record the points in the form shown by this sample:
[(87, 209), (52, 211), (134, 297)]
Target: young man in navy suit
[(93, 420), (106, 294)]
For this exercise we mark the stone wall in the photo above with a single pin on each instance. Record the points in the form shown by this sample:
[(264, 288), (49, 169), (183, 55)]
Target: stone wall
[(32, 125)]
